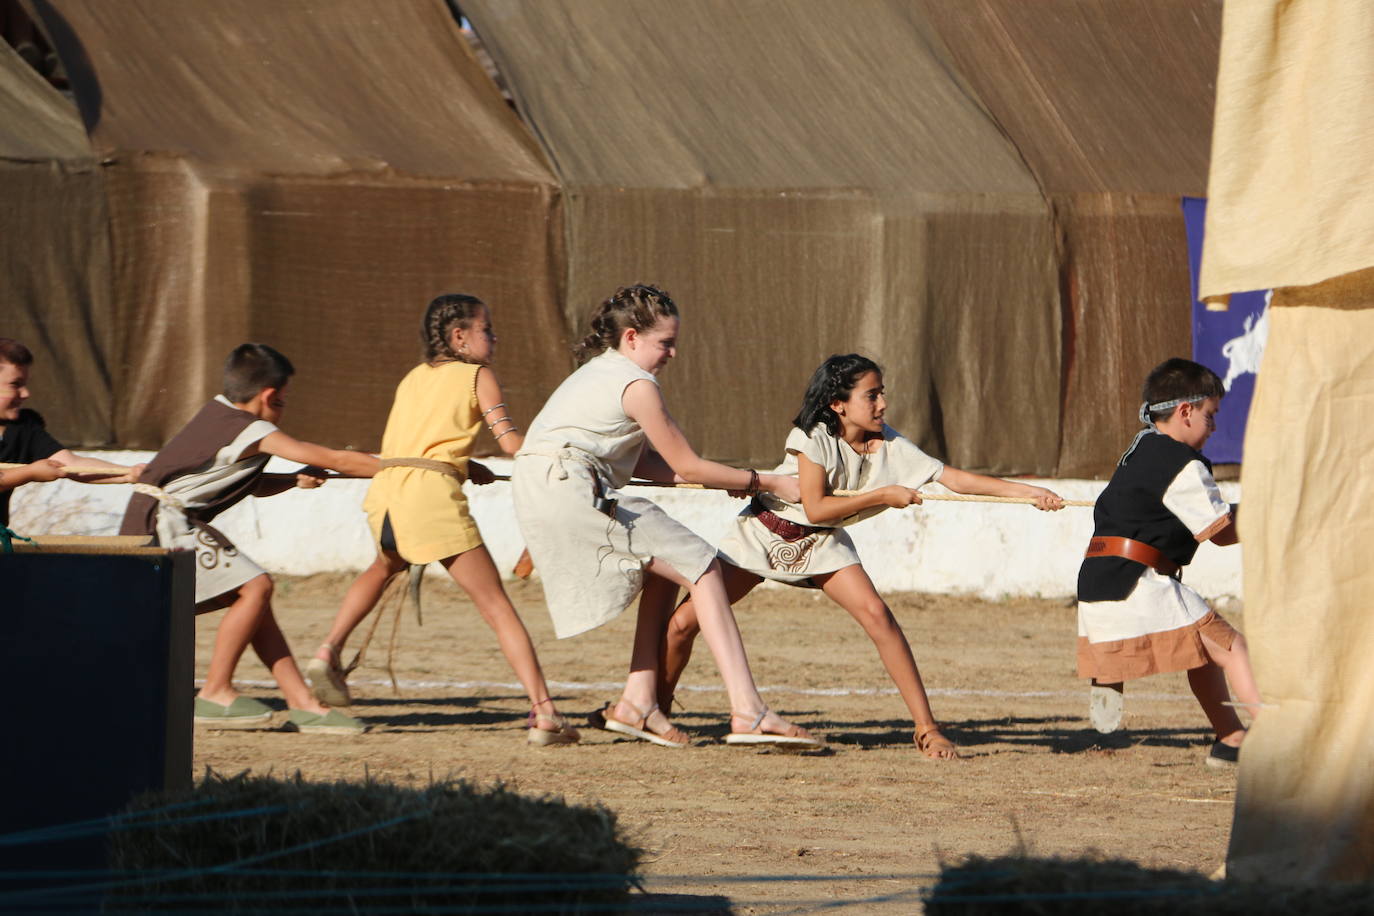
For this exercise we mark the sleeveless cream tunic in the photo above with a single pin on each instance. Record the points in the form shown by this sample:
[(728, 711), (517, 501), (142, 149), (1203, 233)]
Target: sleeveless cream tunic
[(434, 416), (827, 548), (580, 445)]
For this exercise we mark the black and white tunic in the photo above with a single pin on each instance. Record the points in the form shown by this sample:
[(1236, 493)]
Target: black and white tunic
[(1133, 620)]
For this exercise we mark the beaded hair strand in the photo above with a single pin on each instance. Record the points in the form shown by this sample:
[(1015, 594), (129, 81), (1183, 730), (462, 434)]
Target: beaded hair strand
[(639, 306), (444, 314)]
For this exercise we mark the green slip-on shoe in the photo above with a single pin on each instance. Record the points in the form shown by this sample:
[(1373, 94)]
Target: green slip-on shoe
[(331, 723), (244, 712)]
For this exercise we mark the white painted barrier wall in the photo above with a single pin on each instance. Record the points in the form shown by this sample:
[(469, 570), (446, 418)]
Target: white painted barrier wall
[(985, 549)]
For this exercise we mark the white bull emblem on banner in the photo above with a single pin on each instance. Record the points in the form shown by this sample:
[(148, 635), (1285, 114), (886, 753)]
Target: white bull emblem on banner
[(1242, 354)]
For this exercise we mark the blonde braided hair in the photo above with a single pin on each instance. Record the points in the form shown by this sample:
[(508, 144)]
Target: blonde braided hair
[(639, 306)]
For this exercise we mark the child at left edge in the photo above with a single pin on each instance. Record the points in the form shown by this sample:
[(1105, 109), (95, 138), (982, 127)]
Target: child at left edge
[(214, 462), (24, 438)]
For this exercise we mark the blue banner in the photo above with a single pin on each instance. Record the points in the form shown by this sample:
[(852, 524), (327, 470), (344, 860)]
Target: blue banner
[(1229, 343)]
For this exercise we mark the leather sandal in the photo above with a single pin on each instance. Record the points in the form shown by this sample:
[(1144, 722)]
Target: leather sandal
[(672, 736), (936, 746), (562, 733), (794, 736)]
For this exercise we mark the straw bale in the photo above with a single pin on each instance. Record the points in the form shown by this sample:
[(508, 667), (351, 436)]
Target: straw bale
[(260, 844), (979, 886)]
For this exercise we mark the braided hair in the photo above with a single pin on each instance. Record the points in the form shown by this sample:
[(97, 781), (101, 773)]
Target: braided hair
[(444, 314), (639, 306), (832, 381)]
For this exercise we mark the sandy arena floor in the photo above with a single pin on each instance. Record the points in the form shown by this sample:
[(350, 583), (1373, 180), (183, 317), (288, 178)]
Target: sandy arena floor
[(868, 820)]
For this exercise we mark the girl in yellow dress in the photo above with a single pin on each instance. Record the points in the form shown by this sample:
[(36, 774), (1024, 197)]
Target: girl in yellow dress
[(417, 510)]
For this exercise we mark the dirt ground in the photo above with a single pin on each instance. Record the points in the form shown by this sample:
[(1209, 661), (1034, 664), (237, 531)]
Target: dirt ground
[(863, 824)]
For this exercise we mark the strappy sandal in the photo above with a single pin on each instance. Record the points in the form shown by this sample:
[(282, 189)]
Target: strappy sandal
[(795, 736), (933, 744), (562, 733), (672, 736), (327, 679)]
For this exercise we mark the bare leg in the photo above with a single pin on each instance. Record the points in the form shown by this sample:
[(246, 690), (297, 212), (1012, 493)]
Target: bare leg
[(249, 620), (722, 636), (1209, 686), (270, 645), (852, 590), (476, 574), (236, 630), (359, 601), (683, 628)]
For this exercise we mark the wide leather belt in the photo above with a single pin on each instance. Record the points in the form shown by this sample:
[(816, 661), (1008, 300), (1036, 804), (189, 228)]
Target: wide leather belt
[(1131, 549), (788, 531)]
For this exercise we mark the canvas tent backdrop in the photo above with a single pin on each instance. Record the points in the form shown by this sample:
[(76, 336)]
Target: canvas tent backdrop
[(54, 254), (1110, 104), (1001, 238), (1289, 207), (803, 183), (308, 177)]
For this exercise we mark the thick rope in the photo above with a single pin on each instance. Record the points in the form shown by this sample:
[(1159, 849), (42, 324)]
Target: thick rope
[(391, 596), (950, 497), (73, 469), (440, 467), (424, 464)]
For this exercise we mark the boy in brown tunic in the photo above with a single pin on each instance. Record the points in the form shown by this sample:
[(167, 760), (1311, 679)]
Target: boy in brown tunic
[(214, 462)]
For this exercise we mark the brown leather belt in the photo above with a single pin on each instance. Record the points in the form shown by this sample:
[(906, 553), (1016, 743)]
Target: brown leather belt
[(788, 531), (1130, 549)]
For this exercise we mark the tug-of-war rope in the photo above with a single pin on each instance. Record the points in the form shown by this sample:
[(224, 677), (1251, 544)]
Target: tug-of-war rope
[(394, 595), (92, 471)]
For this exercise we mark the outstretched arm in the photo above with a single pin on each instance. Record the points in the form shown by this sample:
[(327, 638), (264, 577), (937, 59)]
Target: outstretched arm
[(345, 461), (643, 403), (42, 470), (982, 485), (118, 473)]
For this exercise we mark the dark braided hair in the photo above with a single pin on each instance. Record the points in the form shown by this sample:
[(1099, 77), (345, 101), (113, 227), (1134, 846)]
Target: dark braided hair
[(639, 306), (444, 314), (832, 381)]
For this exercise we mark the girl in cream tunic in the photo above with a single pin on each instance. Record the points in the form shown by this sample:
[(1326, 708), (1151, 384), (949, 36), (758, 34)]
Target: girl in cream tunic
[(594, 545), (417, 509), (839, 442)]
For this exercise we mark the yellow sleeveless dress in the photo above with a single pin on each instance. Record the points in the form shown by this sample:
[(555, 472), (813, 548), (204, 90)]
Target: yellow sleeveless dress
[(435, 415)]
